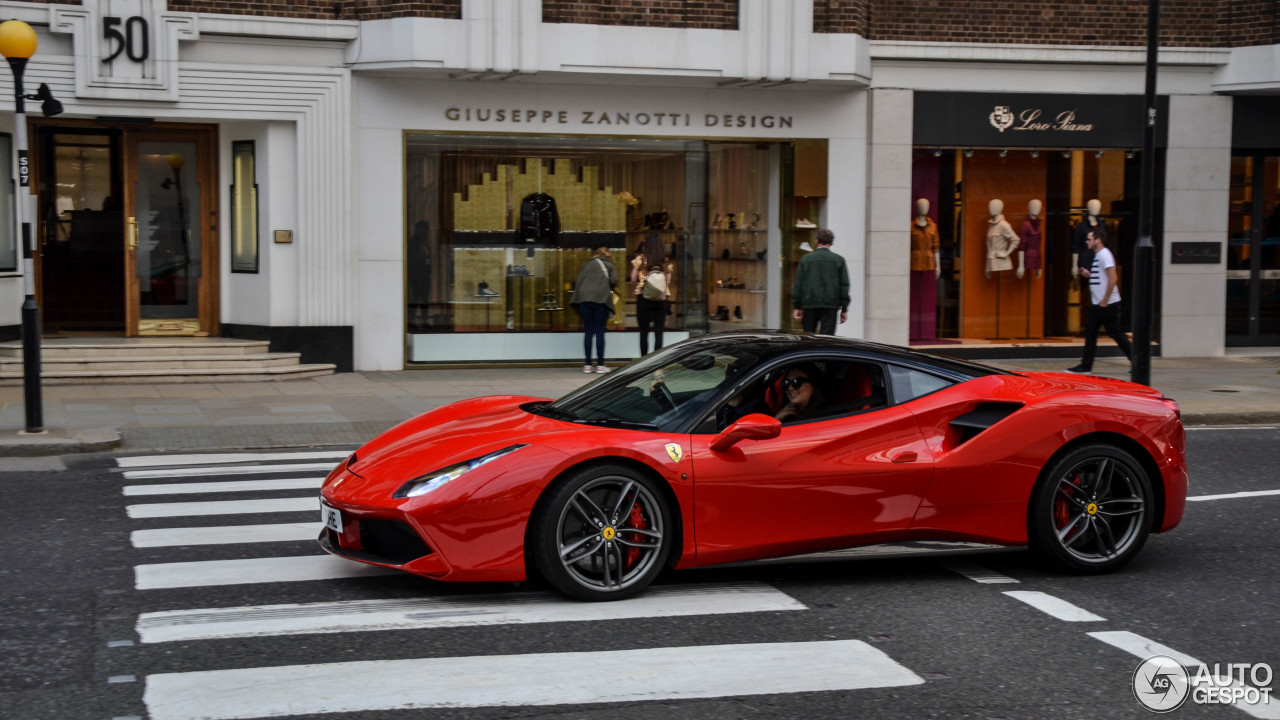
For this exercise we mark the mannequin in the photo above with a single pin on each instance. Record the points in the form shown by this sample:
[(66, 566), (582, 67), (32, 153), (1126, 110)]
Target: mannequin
[(1001, 241), (926, 268), (1030, 236), (1081, 256)]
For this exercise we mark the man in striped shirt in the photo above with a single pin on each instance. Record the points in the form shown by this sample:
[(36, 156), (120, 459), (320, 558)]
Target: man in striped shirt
[(1104, 296)]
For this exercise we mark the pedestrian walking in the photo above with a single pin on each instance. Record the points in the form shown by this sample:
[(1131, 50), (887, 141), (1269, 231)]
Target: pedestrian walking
[(1104, 296), (821, 288), (651, 273), (591, 296)]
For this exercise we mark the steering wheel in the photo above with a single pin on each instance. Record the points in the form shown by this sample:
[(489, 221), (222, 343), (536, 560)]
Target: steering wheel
[(664, 396)]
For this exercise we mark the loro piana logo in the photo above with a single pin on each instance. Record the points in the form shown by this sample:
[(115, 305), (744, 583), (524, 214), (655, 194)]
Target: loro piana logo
[(1001, 118), (1161, 684)]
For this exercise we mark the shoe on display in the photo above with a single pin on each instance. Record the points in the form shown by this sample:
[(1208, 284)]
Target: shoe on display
[(725, 255), (1079, 369), (805, 246), (760, 255), (482, 290), (755, 222), (737, 311), (587, 369), (804, 223)]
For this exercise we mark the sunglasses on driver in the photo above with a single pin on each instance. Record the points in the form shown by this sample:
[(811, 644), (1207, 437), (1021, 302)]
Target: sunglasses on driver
[(794, 383)]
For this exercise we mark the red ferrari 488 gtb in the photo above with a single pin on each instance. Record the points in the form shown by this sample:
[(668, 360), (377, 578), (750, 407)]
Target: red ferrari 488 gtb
[(734, 447)]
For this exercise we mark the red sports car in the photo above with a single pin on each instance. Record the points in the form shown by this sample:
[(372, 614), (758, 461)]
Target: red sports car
[(742, 446)]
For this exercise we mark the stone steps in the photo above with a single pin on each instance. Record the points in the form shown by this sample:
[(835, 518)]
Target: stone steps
[(106, 361)]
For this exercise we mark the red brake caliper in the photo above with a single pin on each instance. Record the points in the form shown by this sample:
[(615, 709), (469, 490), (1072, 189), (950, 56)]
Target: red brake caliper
[(1061, 509), (637, 521)]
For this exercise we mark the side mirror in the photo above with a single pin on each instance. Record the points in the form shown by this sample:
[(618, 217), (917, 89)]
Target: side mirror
[(755, 426)]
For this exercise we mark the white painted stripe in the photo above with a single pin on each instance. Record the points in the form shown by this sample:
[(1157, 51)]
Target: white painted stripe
[(1056, 607), (225, 470), (1233, 427), (208, 573), (538, 679), (451, 612), (214, 459), (978, 573), (1252, 493), (1140, 647), (224, 535), (223, 507), (311, 483)]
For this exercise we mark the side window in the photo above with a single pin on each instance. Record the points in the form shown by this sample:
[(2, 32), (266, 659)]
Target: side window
[(808, 390), (910, 384)]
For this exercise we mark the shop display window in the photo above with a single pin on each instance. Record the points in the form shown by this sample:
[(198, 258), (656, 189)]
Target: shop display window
[(973, 288), (737, 245), (1253, 251), (498, 228)]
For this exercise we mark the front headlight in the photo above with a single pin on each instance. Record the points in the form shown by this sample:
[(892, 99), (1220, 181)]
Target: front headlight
[(426, 483)]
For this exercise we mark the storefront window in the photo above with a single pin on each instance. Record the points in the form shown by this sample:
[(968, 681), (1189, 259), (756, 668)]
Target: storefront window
[(8, 228), (738, 196), (965, 285), (244, 208)]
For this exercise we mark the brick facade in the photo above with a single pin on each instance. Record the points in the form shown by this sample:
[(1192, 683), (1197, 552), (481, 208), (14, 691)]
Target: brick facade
[(708, 14), (841, 16), (1183, 23), (326, 9)]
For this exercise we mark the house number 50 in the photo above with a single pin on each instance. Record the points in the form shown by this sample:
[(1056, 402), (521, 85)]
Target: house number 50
[(132, 41)]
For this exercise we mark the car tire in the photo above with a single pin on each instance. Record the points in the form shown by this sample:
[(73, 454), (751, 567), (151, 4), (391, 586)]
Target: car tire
[(1090, 512), (602, 533)]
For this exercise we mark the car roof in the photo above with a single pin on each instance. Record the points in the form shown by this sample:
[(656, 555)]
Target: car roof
[(772, 345)]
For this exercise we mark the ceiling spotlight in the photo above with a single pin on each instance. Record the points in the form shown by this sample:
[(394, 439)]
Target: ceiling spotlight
[(1035, 153), (937, 152), (1130, 154), (1098, 154), (1066, 153), (968, 153), (1004, 153)]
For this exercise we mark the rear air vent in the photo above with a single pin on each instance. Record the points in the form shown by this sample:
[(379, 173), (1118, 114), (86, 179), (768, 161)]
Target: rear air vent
[(969, 425)]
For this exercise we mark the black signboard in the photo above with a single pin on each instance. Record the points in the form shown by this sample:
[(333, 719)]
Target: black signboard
[(1255, 123), (1033, 120), (1196, 253)]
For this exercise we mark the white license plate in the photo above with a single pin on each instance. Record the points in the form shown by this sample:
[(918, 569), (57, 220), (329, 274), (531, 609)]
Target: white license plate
[(331, 517)]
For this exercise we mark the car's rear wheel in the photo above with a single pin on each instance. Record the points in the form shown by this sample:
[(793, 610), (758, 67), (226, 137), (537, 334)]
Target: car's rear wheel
[(603, 533), (1091, 510)]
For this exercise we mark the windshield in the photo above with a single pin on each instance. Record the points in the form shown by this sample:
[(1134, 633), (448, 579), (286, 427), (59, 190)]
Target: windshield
[(658, 392)]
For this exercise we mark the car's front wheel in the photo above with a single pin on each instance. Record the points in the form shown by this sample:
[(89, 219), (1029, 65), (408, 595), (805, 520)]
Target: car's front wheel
[(1091, 510), (603, 533)]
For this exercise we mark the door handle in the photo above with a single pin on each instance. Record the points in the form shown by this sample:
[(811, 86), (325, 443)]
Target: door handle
[(905, 457), (133, 233)]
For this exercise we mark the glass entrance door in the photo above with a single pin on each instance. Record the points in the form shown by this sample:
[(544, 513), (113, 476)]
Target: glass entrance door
[(1253, 251), (170, 291)]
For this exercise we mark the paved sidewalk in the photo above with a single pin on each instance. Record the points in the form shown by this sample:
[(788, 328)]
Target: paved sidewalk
[(348, 409)]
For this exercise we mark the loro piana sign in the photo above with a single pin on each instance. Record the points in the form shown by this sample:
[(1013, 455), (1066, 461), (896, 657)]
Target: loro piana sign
[(1031, 120)]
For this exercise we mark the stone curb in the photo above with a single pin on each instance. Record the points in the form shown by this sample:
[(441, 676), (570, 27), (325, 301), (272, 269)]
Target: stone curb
[(59, 442), (92, 440)]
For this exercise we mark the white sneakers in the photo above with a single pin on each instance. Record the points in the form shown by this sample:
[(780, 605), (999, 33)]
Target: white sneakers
[(587, 369), (599, 369)]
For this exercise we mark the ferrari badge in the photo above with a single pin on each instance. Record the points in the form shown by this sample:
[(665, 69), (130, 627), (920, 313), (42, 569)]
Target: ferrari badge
[(675, 451)]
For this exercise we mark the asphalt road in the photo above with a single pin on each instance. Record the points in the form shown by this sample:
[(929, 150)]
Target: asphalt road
[(898, 635)]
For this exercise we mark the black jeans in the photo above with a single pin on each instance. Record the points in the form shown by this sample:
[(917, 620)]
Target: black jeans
[(820, 320), (594, 316), (651, 312), (1108, 317)]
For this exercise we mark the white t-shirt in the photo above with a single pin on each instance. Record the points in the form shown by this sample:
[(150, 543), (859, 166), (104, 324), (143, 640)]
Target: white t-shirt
[(1102, 260)]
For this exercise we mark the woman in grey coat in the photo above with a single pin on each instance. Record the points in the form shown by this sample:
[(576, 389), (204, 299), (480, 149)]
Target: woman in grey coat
[(596, 279)]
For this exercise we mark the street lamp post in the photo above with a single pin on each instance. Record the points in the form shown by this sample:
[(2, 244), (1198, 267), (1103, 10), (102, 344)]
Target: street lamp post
[(1144, 253), (18, 44)]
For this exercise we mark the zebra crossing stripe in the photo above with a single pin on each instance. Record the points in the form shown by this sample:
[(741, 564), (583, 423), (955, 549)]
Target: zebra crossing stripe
[(225, 470), (311, 483), (617, 676), (1057, 607), (224, 535), (208, 573), (222, 507), (977, 573), (214, 459), (451, 612)]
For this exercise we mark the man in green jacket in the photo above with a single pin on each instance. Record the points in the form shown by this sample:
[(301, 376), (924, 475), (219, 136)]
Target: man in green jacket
[(821, 288)]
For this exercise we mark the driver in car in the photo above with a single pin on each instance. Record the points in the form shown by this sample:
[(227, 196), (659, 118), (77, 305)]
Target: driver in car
[(806, 398)]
